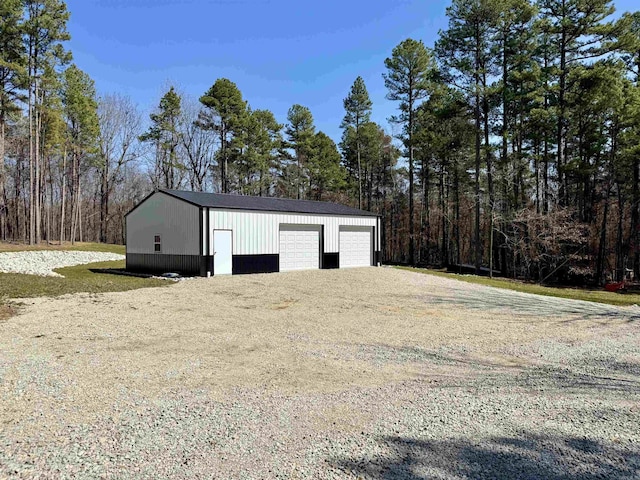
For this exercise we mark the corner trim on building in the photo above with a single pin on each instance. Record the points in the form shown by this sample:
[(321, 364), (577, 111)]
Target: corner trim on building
[(203, 265), (208, 257), (321, 252)]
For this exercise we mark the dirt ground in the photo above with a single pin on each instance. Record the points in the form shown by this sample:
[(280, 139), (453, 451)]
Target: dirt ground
[(370, 373)]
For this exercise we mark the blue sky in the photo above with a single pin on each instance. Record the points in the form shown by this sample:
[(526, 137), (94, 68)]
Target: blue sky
[(278, 52)]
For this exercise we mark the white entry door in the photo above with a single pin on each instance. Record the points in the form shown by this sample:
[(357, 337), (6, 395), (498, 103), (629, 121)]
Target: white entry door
[(355, 247), (222, 252), (299, 248)]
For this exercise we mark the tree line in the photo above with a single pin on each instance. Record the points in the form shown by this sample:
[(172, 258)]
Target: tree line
[(517, 146)]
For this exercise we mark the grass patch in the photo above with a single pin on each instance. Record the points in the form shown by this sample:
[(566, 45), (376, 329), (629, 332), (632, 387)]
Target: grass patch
[(78, 246), (78, 278), (599, 296)]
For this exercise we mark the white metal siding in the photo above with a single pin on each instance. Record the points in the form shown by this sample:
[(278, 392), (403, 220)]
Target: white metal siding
[(174, 220), (257, 233), (356, 247)]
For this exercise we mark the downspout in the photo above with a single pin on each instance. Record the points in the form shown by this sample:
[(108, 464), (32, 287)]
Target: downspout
[(208, 247), (202, 260), (126, 247), (378, 254), (322, 246)]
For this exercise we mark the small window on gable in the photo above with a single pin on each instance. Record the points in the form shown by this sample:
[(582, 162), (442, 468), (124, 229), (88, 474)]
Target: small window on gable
[(157, 244)]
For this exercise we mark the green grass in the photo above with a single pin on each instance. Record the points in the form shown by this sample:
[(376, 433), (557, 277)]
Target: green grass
[(599, 296), (79, 278), (78, 246), (76, 279), (97, 247)]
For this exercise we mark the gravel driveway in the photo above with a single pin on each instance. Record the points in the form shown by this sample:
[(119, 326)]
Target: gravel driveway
[(43, 262), (360, 373)]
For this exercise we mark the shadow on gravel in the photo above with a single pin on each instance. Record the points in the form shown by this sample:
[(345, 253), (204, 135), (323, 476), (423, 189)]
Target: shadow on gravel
[(537, 305), (561, 378), (528, 457), (605, 375)]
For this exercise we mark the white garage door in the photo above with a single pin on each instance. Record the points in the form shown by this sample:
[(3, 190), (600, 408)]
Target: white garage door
[(355, 247), (299, 248)]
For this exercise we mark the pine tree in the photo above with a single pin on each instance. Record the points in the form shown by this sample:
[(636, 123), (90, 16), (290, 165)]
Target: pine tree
[(81, 112), (408, 79), (513, 48), (300, 131), (579, 30), (164, 134), (360, 174), (12, 76), (54, 136), (224, 113), (444, 139), (45, 28), (262, 140), (631, 56), (325, 171), (357, 106), (465, 50)]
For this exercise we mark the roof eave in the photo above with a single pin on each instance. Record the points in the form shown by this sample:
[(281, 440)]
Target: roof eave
[(197, 204)]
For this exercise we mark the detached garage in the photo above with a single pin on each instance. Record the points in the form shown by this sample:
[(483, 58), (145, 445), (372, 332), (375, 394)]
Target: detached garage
[(196, 233)]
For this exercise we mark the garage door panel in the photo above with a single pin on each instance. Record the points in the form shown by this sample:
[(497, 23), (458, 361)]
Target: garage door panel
[(356, 247), (299, 248)]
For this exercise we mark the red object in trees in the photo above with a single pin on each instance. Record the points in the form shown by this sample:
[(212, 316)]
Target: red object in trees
[(614, 287)]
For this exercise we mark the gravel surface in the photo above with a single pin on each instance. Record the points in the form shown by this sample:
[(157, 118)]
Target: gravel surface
[(43, 262), (359, 373)]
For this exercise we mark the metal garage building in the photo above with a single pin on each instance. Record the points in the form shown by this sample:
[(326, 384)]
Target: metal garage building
[(206, 234)]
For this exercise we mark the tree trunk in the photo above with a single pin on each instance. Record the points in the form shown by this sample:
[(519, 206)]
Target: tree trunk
[(603, 238), (412, 259), (32, 185), (620, 256), (561, 121), (3, 193), (477, 244), (80, 217), (427, 214), (443, 213), (634, 240), (359, 167), (635, 218), (384, 209), (545, 184), (37, 195), (536, 168), (104, 201), (456, 182), (223, 164), (489, 163), (74, 197), (50, 216), (64, 193), (505, 109)]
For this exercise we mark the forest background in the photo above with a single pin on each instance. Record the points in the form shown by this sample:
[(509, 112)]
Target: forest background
[(515, 145)]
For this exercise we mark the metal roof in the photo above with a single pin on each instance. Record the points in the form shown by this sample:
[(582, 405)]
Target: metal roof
[(266, 204)]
